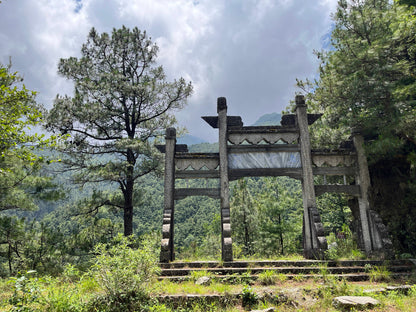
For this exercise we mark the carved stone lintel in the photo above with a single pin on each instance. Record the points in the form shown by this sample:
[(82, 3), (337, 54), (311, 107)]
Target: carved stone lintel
[(334, 160), (256, 138), (197, 164)]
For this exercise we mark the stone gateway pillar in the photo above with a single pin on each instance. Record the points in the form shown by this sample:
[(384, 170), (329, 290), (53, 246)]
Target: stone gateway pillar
[(226, 241), (314, 241), (167, 251)]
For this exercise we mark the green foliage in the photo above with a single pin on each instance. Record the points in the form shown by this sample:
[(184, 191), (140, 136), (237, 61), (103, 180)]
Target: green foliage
[(122, 102), (29, 246), (21, 182), (367, 82), (334, 210), (343, 245), (280, 217), (18, 111), (197, 229), (245, 217), (71, 273), (379, 273), (249, 297), (268, 277), (269, 225), (121, 269), (367, 79), (26, 292)]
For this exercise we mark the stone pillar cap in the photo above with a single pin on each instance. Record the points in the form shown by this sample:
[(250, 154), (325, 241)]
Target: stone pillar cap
[(221, 104), (300, 100), (170, 133)]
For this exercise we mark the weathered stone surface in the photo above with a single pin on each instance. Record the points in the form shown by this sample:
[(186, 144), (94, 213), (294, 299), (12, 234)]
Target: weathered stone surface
[(403, 289), (203, 280), (358, 302), (265, 310), (226, 227), (266, 155), (333, 245), (374, 291)]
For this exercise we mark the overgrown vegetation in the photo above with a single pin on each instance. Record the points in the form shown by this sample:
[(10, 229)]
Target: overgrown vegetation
[(367, 83)]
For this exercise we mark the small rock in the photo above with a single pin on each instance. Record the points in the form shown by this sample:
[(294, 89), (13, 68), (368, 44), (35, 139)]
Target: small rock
[(265, 310), (403, 289), (204, 280), (333, 245), (358, 302), (374, 291)]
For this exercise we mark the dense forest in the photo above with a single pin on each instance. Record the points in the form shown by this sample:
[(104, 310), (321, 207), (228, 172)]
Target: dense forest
[(97, 173)]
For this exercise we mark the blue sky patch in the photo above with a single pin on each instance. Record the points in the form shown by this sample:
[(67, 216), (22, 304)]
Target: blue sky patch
[(78, 6)]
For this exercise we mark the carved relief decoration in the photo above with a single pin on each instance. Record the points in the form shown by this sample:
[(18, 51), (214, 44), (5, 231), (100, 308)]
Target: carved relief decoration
[(334, 160), (197, 164), (256, 138)]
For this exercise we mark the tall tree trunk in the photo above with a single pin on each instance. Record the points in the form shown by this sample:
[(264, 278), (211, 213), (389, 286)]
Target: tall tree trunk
[(128, 208), (281, 234), (128, 195)]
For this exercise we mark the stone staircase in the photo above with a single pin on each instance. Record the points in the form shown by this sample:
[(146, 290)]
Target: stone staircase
[(351, 270)]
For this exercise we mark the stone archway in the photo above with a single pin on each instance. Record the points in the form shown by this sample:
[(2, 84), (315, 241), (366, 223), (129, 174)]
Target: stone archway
[(269, 151)]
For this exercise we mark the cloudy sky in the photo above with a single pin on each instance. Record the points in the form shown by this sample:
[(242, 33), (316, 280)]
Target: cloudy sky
[(250, 51)]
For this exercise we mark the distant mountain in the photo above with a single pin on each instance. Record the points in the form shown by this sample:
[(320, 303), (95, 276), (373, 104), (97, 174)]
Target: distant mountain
[(204, 148), (190, 140), (197, 145), (269, 120)]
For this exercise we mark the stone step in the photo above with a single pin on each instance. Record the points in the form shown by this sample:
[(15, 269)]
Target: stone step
[(352, 277), (352, 270), (283, 263), (277, 270)]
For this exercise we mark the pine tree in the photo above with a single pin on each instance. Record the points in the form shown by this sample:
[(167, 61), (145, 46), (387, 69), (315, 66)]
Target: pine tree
[(122, 102)]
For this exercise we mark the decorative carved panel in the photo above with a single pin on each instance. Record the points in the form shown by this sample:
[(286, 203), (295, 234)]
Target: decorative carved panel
[(256, 138), (334, 160), (264, 160), (197, 164)]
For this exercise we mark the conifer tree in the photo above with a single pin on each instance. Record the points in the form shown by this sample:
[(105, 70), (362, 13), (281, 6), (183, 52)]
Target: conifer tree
[(20, 182), (367, 81), (122, 101)]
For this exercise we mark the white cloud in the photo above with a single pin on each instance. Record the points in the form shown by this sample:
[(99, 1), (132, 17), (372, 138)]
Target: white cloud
[(249, 51)]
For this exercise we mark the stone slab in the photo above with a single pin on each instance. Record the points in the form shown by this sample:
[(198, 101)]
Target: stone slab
[(359, 302), (203, 280), (265, 310)]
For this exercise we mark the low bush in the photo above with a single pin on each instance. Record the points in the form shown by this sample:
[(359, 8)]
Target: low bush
[(121, 269)]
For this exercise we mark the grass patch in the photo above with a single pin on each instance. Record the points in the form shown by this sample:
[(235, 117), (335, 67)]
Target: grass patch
[(61, 294), (379, 274)]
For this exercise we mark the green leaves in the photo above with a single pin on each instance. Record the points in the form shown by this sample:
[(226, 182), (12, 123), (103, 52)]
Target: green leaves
[(368, 79), (122, 102), (17, 112), (20, 183), (124, 269)]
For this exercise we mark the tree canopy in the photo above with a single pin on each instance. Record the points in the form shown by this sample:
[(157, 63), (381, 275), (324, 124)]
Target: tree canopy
[(122, 102), (20, 182), (367, 82), (367, 77)]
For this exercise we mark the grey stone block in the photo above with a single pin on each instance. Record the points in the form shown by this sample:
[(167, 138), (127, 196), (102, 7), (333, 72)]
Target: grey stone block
[(355, 302)]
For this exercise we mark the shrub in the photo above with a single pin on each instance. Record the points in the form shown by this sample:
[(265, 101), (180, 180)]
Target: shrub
[(26, 291), (121, 269), (379, 274), (267, 277), (343, 248), (249, 297)]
